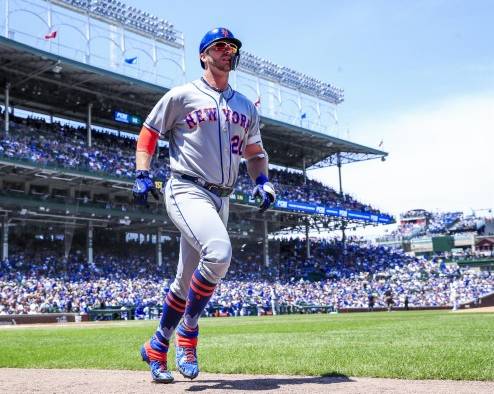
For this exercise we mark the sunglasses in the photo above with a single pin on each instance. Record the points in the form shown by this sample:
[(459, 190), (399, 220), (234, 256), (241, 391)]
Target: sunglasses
[(222, 46)]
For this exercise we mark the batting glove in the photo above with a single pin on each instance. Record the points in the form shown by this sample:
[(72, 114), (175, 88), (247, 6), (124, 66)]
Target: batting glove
[(265, 191), (142, 186)]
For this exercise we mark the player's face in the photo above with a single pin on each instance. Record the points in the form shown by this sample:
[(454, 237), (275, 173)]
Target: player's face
[(220, 55)]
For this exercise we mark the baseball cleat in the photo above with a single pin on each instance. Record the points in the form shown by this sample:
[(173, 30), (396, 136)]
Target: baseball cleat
[(186, 359), (157, 362)]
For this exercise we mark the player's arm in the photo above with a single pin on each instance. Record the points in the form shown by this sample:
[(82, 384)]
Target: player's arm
[(161, 119), (146, 146), (257, 167), (257, 160)]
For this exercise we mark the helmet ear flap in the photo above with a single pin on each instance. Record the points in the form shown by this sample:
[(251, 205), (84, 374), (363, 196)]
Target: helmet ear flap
[(235, 61)]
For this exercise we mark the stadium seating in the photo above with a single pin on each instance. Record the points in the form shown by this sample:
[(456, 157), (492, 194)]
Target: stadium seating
[(434, 223), (56, 145), (336, 276)]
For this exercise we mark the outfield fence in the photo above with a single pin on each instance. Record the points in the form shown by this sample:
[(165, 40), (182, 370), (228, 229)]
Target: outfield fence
[(154, 312)]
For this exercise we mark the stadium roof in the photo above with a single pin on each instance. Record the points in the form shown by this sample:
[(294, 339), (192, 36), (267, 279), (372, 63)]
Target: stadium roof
[(47, 83)]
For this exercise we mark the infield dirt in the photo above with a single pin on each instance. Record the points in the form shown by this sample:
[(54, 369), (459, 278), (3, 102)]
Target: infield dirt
[(103, 381), (487, 309)]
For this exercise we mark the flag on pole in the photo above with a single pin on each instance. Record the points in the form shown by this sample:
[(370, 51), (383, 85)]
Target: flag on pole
[(303, 116), (131, 60), (51, 35), (257, 103)]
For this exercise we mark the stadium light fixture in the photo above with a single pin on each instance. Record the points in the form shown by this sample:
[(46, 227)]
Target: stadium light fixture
[(290, 78), (131, 17)]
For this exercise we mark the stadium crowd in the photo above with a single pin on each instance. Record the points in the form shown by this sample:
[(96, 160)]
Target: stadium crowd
[(336, 276), (421, 223), (60, 145)]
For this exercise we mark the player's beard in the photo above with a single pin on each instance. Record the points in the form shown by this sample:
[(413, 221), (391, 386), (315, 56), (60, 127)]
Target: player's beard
[(222, 66)]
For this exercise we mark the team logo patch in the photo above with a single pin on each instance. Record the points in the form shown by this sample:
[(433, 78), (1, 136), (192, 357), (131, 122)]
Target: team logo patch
[(225, 32)]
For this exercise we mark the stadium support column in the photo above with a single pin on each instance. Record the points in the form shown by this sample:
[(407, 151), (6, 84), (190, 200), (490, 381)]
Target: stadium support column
[(304, 170), (343, 222), (266, 243), (307, 239), (88, 124), (5, 238), (90, 233), (159, 250), (7, 107)]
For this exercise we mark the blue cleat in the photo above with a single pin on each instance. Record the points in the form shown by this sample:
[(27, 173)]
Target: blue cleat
[(186, 358), (157, 361)]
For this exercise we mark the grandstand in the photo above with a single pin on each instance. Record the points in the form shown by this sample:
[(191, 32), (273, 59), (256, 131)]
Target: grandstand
[(72, 240), (38, 279), (44, 83), (421, 231)]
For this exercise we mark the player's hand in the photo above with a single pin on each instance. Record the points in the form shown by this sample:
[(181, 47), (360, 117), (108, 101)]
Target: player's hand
[(265, 191), (142, 186)]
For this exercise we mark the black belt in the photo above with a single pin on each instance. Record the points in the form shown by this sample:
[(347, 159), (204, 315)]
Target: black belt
[(220, 191)]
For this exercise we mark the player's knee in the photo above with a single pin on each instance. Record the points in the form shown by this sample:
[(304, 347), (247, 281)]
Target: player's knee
[(218, 251), (216, 258)]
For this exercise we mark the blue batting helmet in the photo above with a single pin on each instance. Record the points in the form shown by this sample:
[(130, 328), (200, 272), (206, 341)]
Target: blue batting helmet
[(220, 34)]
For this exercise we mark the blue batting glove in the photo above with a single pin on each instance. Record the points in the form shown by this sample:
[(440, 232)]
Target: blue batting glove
[(265, 191), (142, 186)]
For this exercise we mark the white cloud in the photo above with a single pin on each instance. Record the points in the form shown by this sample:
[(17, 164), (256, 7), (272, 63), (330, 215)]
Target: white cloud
[(440, 158)]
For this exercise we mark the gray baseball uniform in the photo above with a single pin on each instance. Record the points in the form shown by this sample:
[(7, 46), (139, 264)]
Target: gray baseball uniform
[(208, 131)]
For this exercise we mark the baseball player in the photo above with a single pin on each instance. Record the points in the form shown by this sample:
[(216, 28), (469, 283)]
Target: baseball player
[(210, 128)]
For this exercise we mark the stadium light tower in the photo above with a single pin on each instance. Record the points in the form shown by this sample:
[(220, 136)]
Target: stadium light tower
[(290, 94), (103, 33), (290, 78), (130, 17)]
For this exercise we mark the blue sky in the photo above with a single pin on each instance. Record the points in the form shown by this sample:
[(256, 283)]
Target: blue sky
[(387, 55), (418, 75)]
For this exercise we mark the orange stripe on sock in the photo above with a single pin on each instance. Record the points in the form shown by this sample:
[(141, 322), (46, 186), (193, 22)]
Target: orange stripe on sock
[(186, 342), (179, 301), (172, 304), (154, 355), (202, 285), (179, 305), (198, 291)]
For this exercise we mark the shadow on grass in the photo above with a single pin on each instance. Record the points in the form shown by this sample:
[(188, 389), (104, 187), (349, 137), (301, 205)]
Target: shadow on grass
[(263, 383)]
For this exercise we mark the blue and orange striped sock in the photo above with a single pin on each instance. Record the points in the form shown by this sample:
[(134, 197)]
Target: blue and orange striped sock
[(173, 310), (186, 336), (200, 293), (156, 349)]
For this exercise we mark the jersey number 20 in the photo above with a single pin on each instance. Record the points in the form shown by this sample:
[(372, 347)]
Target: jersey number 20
[(236, 144)]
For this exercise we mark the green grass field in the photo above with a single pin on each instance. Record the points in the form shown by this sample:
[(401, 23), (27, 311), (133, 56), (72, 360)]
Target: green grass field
[(414, 345)]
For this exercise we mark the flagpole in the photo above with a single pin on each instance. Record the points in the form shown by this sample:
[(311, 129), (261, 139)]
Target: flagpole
[(49, 25), (7, 18), (300, 106)]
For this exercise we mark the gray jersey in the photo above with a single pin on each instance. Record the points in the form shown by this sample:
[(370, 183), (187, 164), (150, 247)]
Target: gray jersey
[(207, 130)]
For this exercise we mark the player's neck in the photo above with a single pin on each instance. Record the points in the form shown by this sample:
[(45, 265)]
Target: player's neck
[(217, 81)]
